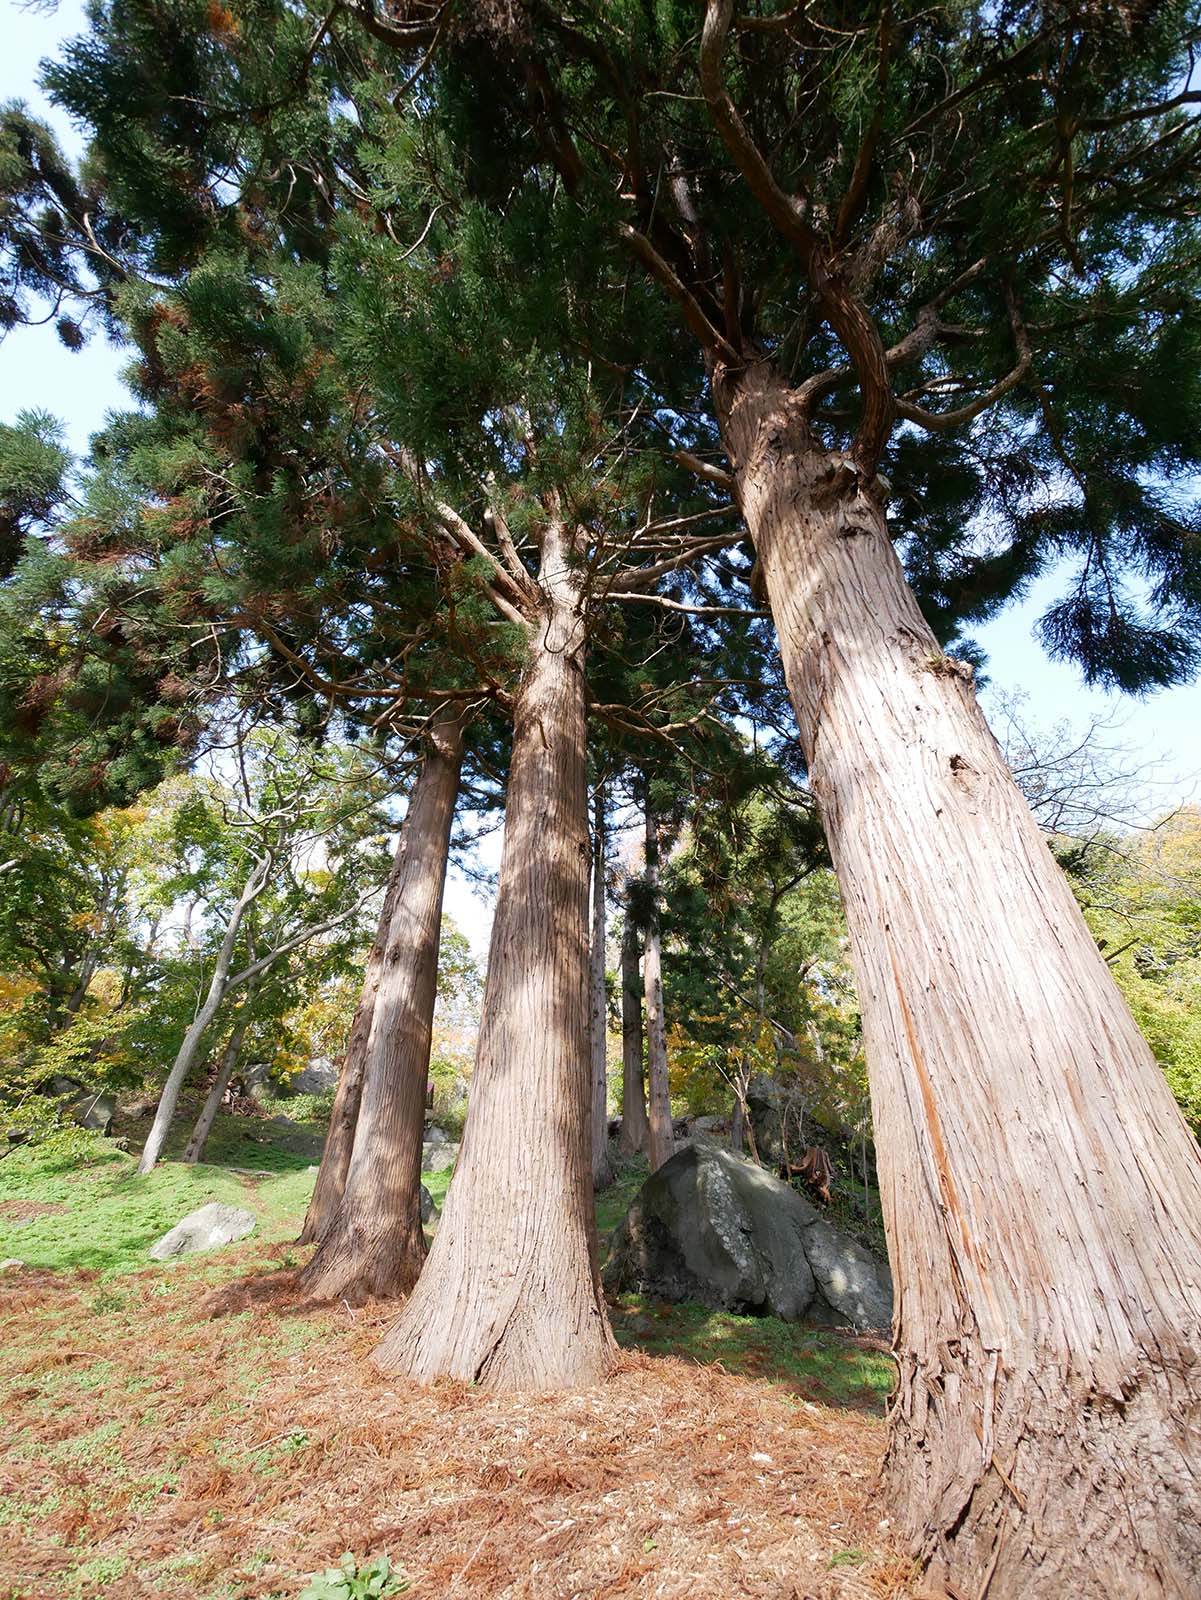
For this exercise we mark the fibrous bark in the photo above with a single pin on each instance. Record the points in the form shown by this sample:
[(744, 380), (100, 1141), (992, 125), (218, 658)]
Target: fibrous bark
[(374, 1245), (602, 1171), (510, 1296), (339, 1138), (661, 1144), (635, 1130), (1042, 1194)]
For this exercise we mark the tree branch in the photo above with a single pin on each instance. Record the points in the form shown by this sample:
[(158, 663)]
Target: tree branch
[(694, 316)]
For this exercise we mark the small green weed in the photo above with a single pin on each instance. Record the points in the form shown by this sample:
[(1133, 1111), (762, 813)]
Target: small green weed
[(350, 1581), (848, 1558)]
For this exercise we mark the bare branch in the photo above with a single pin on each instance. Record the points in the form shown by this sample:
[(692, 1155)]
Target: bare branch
[(705, 469), (694, 316)]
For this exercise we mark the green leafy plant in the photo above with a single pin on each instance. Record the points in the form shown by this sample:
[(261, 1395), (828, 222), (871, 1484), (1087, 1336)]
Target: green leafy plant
[(350, 1581)]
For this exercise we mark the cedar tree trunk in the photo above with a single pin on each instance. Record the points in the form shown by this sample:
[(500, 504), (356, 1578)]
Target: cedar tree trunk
[(374, 1246), (1041, 1192), (339, 1140), (602, 1172), (635, 1130), (660, 1141), (510, 1296)]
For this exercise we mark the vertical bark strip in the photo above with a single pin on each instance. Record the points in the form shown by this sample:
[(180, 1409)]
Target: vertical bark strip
[(635, 1130), (510, 1296), (661, 1142), (339, 1139), (375, 1245), (602, 1171), (1041, 1192)]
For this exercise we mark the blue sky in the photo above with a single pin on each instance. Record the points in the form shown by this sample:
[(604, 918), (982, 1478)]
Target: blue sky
[(38, 372)]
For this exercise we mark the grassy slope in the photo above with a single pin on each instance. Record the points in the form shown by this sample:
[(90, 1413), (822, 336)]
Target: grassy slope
[(118, 1383)]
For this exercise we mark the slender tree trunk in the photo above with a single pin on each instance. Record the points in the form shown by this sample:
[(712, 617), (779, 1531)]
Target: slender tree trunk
[(510, 1296), (602, 1172), (660, 1140), (1041, 1192), (375, 1245), (212, 1104), (188, 1050), (339, 1139), (635, 1130), (737, 1125)]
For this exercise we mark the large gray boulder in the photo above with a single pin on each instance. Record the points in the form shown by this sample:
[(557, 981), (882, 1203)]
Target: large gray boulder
[(438, 1157), (204, 1229), (93, 1109), (316, 1077), (711, 1227)]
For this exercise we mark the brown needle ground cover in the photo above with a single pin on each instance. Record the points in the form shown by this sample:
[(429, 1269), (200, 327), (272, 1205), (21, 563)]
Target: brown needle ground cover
[(151, 1448)]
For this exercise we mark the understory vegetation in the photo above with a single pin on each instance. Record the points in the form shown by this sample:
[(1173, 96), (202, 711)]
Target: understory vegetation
[(156, 1444)]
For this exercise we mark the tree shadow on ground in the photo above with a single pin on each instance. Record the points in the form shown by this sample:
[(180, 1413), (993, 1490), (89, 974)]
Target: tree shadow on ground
[(826, 1366)]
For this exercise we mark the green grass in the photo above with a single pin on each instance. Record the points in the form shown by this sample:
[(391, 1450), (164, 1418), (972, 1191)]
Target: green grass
[(816, 1364), (613, 1203), (106, 1217)]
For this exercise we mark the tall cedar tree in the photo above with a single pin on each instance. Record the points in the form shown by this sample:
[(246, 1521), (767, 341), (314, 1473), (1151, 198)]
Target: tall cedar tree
[(959, 245), (527, 463)]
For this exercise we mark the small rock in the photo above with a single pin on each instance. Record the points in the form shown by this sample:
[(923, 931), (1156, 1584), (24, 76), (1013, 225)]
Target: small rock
[(11, 1264), (428, 1209), (203, 1229)]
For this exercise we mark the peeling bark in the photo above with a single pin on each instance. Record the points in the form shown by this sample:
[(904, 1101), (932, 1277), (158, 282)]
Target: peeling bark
[(602, 1171), (374, 1245), (635, 1129), (339, 1139), (1042, 1194), (510, 1296), (661, 1143)]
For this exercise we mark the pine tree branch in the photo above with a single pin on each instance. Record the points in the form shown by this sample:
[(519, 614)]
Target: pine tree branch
[(705, 469), (843, 310), (514, 595)]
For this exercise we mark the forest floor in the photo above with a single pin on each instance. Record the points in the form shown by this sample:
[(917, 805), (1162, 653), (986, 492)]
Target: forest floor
[(154, 1448)]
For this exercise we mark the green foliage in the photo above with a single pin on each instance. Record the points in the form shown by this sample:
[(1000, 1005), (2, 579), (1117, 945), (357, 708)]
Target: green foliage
[(758, 978), (355, 1580), (1141, 894)]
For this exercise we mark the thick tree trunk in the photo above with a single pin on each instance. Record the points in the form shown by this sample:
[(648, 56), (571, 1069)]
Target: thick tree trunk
[(635, 1130), (661, 1144), (375, 1245), (510, 1296), (602, 1171), (339, 1140), (208, 1112), (1041, 1192)]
